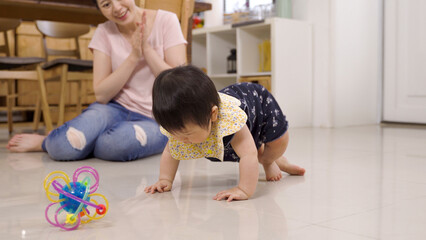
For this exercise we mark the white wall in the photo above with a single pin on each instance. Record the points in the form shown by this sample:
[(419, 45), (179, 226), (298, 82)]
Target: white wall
[(214, 17), (318, 13), (347, 60), (357, 61)]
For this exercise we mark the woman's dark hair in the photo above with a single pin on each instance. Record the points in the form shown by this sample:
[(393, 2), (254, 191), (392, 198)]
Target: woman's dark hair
[(96, 3), (183, 95)]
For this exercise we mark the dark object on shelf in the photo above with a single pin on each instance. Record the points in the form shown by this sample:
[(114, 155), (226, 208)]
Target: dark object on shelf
[(232, 62), (239, 24)]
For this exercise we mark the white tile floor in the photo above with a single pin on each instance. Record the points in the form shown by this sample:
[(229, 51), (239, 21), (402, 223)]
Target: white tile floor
[(364, 182)]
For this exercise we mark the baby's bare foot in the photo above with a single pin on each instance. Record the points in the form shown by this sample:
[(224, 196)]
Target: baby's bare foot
[(273, 172), (26, 143), (289, 168)]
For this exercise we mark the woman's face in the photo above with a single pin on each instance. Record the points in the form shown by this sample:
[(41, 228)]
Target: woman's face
[(119, 11)]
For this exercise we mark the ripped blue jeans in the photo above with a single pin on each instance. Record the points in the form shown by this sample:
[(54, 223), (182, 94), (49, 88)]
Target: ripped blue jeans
[(105, 131)]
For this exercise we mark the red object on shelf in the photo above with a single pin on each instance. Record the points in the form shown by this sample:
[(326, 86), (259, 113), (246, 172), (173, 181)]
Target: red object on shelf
[(197, 22)]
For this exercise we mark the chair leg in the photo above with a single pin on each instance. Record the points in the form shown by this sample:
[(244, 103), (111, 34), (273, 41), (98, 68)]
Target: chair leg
[(44, 103), (37, 111), (9, 103), (79, 97), (64, 73)]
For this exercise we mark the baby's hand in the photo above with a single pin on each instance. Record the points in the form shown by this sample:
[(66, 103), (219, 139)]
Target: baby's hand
[(232, 194), (162, 185)]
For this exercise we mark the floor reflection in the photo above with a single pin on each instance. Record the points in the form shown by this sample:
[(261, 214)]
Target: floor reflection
[(361, 183)]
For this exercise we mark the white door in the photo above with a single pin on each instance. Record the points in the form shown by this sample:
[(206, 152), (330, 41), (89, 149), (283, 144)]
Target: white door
[(405, 61)]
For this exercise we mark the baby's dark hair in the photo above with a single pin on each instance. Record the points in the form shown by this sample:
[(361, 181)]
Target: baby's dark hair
[(183, 95), (95, 2)]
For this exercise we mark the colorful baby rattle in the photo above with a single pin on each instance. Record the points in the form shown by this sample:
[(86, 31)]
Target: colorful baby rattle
[(76, 200)]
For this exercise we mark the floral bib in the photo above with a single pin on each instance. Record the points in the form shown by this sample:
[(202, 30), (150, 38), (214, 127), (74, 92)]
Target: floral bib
[(231, 119)]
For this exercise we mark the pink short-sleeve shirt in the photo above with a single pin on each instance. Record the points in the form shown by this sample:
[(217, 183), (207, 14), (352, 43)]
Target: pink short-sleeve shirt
[(136, 95)]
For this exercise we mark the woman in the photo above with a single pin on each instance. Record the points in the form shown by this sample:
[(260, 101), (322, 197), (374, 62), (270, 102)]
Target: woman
[(129, 51)]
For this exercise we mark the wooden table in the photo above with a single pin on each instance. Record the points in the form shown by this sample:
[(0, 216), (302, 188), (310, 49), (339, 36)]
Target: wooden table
[(74, 11)]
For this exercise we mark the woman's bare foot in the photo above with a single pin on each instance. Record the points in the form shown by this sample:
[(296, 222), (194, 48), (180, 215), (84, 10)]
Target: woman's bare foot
[(26, 143), (289, 168), (272, 171)]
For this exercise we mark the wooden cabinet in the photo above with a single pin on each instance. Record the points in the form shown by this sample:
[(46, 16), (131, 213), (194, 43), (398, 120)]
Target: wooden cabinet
[(290, 61)]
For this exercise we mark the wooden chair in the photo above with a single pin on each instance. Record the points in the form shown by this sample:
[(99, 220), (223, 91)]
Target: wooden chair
[(71, 69), (183, 10), (20, 69)]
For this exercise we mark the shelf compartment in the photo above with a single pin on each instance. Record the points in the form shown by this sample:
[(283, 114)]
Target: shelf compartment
[(256, 74), (199, 46), (223, 80), (227, 75), (219, 45), (249, 39), (261, 80)]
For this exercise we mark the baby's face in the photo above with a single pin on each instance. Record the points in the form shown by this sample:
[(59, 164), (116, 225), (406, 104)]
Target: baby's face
[(192, 133)]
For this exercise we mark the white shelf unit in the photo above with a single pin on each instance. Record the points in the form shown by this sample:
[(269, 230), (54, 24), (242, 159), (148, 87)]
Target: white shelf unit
[(291, 60)]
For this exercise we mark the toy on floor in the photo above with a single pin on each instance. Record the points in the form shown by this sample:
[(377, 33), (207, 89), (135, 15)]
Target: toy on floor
[(75, 200)]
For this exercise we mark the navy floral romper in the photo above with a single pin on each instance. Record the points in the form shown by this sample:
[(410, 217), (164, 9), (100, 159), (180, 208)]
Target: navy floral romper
[(265, 121)]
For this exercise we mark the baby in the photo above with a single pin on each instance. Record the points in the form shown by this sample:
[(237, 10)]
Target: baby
[(242, 123)]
